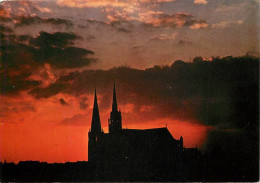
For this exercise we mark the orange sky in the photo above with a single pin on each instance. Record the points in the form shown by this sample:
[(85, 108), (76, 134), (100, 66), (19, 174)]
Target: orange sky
[(39, 135)]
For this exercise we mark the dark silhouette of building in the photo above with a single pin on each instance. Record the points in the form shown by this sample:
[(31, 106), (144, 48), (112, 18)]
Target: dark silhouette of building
[(151, 151), (154, 155), (137, 155)]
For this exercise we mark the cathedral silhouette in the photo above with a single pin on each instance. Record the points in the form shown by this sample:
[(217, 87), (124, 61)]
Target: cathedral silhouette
[(123, 151)]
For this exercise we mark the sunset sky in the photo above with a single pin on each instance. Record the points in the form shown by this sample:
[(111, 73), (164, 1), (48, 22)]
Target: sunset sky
[(54, 53)]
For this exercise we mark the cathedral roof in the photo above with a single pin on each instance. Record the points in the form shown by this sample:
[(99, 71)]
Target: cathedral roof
[(153, 133)]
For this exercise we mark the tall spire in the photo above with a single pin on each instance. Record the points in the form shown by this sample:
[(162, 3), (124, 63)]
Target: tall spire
[(114, 105), (95, 124), (115, 121)]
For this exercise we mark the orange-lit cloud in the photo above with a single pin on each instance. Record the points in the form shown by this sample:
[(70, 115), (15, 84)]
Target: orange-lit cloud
[(174, 20), (200, 1), (4, 12), (92, 3), (104, 3), (224, 24), (199, 25), (156, 18), (22, 7), (133, 10), (164, 37)]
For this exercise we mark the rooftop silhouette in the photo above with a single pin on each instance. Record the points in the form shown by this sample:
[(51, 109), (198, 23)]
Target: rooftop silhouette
[(138, 155)]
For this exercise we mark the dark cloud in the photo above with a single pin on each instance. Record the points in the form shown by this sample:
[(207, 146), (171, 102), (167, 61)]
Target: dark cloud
[(16, 66), (119, 25), (70, 57), (122, 25), (15, 84), (30, 20), (22, 38), (20, 60), (57, 39), (183, 42), (5, 29), (220, 93), (5, 19), (137, 47), (239, 147), (124, 30), (235, 141), (46, 92), (63, 102), (56, 49)]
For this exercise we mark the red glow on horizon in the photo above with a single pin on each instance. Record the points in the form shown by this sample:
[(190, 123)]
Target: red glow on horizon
[(68, 143), (41, 136)]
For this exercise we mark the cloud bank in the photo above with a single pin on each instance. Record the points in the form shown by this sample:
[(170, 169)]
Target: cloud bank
[(22, 55)]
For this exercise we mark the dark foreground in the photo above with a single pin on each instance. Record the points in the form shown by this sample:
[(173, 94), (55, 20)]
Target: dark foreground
[(211, 167)]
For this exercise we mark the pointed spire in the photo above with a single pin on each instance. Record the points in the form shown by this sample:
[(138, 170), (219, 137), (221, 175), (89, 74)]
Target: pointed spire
[(114, 105), (95, 124), (115, 121)]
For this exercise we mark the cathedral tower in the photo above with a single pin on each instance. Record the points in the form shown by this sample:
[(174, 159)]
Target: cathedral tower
[(115, 121), (95, 133)]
